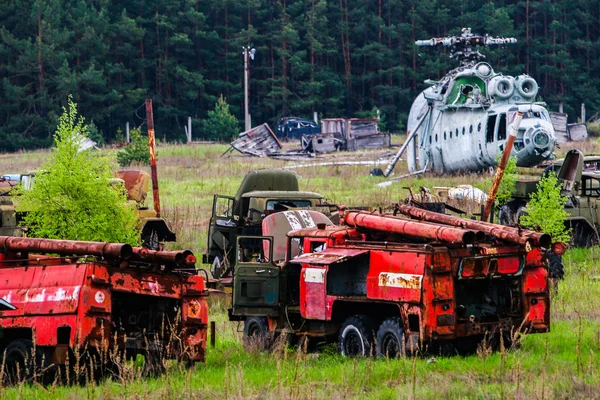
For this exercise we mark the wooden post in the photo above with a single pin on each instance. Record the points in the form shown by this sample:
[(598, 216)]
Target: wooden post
[(213, 332), (560, 108), (127, 132), (583, 113), (316, 117), (188, 131), (152, 146)]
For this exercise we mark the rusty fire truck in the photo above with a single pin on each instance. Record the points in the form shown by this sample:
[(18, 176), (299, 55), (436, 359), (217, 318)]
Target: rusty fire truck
[(89, 297), (387, 285)]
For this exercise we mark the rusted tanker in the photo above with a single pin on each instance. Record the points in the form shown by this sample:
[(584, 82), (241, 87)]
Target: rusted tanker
[(386, 285), (105, 301)]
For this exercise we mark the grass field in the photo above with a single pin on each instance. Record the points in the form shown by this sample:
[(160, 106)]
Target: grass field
[(562, 364)]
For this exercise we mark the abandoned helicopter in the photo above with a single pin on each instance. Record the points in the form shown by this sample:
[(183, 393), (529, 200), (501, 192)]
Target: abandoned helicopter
[(460, 121)]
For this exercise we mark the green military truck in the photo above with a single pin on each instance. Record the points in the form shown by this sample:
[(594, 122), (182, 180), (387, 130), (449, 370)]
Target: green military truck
[(579, 178), (261, 193)]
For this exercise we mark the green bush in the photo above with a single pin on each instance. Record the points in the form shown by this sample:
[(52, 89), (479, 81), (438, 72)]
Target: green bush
[(221, 124), (546, 210), (509, 180), (136, 151), (593, 129), (74, 197)]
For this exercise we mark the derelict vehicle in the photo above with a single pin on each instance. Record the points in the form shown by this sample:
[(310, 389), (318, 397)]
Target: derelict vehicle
[(460, 121)]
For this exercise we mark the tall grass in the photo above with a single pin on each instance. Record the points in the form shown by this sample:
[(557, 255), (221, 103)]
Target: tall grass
[(565, 363)]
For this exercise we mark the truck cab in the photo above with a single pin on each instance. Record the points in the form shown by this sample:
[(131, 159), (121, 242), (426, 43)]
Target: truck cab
[(261, 193)]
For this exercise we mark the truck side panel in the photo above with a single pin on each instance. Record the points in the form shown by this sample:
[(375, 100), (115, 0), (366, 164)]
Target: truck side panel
[(395, 276), (313, 292), (38, 290)]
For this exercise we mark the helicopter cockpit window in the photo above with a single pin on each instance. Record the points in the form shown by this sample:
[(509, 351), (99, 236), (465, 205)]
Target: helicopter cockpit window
[(532, 114), (491, 126), (502, 127)]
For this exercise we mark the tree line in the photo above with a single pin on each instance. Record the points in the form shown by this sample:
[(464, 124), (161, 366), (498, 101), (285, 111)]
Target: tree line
[(338, 58)]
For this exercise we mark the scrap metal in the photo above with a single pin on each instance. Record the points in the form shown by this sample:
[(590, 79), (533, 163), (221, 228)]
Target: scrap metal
[(522, 237), (259, 141)]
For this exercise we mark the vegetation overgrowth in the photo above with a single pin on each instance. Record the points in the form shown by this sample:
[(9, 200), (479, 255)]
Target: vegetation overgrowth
[(136, 151), (546, 209), (563, 364), (73, 195)]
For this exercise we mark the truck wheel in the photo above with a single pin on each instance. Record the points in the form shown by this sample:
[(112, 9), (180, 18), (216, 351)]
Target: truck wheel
[(20, 365), (390, 339), (356, 336), (256, 333)]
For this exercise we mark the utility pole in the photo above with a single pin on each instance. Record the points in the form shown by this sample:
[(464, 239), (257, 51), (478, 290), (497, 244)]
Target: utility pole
[(248, 52)]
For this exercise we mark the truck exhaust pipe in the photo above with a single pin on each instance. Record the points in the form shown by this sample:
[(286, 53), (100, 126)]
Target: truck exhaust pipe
[(403, 226)]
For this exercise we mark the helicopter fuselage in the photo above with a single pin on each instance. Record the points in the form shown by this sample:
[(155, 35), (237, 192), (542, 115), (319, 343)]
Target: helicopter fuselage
[(460, 123)]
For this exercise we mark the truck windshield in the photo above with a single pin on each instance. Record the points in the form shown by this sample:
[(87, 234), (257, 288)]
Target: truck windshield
[(282, 205)]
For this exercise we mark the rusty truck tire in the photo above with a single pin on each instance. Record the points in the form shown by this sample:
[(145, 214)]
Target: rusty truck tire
[(20, 365), (356, 336), (256, 333), (391, 342)]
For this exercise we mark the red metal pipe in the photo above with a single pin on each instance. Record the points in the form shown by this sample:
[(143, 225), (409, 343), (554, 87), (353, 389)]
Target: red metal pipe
[(184, 257), (403, 226), (506, 233), (66, 247)]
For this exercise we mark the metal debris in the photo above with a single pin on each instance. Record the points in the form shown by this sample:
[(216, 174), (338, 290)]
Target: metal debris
[(346, 134), (259, 141)]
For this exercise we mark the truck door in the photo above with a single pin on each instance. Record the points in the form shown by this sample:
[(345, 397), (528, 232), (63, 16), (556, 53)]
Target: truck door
[(256, 278), (222, 229)]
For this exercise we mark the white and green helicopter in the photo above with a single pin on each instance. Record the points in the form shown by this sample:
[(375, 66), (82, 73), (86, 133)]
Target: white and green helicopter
[(459, 123)]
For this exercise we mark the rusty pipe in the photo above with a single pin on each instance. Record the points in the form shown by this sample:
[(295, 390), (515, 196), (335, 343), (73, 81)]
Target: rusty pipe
[(506, 233), (152, 146), (508, 146), (403, 226), (66, 247), (183, 257)]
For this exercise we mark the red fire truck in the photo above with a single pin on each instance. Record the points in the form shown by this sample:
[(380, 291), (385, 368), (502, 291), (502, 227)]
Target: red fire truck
[(386, 284), (99, 301)]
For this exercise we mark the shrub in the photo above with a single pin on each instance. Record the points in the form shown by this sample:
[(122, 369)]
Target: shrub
[(74, 198), (136, 151), (593, 129), (221, 124), (509, 180), (546, 209)]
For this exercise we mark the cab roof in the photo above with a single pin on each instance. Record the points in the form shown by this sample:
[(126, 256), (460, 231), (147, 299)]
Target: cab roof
[(281, 194)]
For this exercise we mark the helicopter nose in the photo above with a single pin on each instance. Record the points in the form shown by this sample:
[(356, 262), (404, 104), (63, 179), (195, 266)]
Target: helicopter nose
[(541, 139)]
